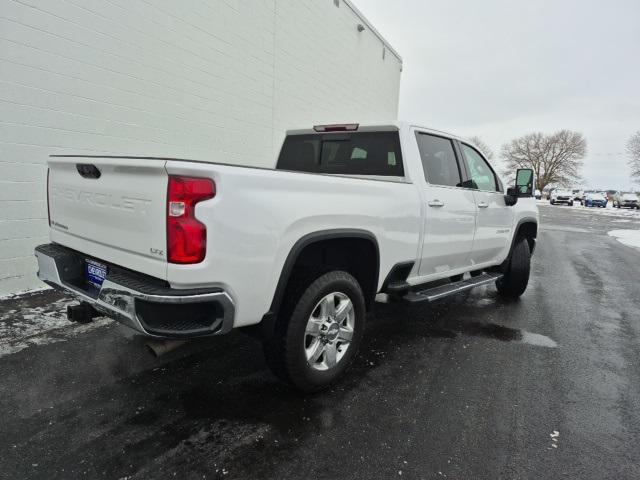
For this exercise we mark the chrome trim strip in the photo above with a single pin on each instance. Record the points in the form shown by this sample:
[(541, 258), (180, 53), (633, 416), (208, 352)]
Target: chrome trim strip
[(118, 302)]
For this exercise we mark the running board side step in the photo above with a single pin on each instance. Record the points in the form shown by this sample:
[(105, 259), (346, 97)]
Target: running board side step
[(436, 293)]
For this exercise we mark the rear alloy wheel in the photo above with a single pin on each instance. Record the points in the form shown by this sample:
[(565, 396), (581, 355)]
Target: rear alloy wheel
[(319, 333), (329, 331), (516, 276)]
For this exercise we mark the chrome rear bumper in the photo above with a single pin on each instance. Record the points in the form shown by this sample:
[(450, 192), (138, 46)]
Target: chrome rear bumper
[(144, 303)]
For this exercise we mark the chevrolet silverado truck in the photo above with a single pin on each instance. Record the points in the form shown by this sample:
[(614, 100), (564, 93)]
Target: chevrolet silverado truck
[(296, 254)]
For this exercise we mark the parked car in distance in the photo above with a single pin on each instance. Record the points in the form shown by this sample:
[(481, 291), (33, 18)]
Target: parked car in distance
[(295, 255), (560, 195), (537, 194), (595, 199), (610, 194), (626, 200), (585, 193)]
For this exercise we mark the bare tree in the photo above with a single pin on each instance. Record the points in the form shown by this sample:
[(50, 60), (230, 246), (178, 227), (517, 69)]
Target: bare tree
[(556, 159), (633, 149), (483, 147)]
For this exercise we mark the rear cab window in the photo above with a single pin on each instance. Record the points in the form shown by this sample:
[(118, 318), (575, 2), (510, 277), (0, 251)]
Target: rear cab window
[(439, 161), (352, 153)]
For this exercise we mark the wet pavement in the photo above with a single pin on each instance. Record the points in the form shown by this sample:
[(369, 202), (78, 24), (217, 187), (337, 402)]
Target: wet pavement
[(470, 387)]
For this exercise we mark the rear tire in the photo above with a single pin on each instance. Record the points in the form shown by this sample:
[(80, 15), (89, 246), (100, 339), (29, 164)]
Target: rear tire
[(516, 277), (309, 348)]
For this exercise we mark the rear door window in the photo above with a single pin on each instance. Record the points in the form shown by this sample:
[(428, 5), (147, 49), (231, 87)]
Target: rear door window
[(439, 160), (366, 153)]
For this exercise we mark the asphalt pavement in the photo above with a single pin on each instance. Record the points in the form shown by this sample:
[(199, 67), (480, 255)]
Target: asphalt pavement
[(472, 387)]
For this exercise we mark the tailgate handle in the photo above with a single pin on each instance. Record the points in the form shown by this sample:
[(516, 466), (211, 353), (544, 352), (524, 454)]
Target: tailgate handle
[(88, 170)]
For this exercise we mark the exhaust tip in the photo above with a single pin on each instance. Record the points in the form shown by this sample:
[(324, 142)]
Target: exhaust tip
[(162, 347)]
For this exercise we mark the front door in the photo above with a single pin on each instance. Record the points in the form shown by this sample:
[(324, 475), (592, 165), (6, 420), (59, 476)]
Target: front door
[(495, 219), (450, 210)]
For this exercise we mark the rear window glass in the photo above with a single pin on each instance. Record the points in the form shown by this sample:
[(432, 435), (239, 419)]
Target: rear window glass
[(375, 153), (439, 160)]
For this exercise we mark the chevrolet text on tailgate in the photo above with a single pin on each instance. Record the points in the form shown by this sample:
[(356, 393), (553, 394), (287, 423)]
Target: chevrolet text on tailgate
[(296, 255)]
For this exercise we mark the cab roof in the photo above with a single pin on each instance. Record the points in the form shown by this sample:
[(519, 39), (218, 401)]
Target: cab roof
[(392, 126)]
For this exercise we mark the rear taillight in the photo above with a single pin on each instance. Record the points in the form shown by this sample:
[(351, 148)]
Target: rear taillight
[(186, 236), (48, 200)]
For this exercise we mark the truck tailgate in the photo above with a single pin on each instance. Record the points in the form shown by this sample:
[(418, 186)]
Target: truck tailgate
[(112, 209)]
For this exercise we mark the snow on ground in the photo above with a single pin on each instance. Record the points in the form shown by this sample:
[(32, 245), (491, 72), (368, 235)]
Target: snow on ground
[(26, 325), (9, 296), (627, 237), (625, 214)]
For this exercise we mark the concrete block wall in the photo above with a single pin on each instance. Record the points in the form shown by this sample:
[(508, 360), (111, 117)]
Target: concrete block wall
[(217, 80)]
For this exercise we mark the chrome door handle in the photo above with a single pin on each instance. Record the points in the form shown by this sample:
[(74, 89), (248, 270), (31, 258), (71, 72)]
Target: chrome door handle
[(436, 203), (483, 205)]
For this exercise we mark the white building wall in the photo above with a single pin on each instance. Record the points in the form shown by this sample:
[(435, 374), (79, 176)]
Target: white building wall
[(216, 80)]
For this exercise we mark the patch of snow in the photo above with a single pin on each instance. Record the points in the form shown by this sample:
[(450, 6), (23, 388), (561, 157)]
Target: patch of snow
[(9, 296), (630, 238), (41, 325), (609, 211)]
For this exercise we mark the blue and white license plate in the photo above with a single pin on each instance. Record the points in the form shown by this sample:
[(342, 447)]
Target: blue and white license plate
[(95, 272)]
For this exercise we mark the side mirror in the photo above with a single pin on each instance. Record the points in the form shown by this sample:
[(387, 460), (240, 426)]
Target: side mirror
[(524, 182), (511, 198)]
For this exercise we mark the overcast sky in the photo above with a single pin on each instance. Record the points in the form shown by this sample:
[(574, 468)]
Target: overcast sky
[(503, 68)]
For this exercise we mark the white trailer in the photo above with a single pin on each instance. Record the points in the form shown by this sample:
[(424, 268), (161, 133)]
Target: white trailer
[(211, 80)]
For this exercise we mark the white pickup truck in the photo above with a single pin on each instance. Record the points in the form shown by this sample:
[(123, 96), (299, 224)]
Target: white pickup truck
[(179, 249)]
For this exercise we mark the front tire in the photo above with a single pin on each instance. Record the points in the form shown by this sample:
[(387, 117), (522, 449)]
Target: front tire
[(319, 332), (516, 276)]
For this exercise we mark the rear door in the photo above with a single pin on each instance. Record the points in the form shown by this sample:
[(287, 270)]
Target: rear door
[(450, 211), (495, 219), (113, 209)]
